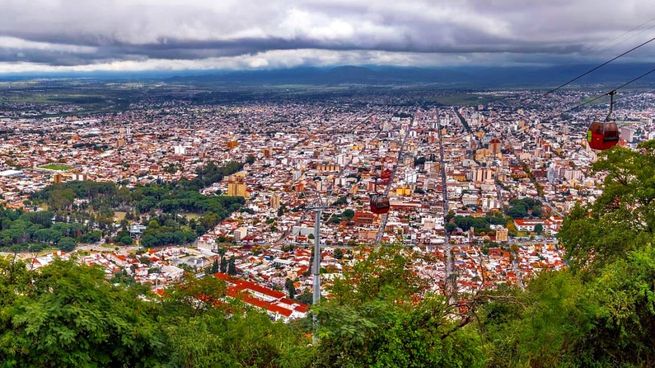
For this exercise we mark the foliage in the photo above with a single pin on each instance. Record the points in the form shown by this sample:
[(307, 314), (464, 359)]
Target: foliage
[(480, 224), (524, 207), (348, 214), (374, 319), (601, 311), (231, 267), (96, 203), (622, 218), (291, 289), (18, 227), (67, 315)]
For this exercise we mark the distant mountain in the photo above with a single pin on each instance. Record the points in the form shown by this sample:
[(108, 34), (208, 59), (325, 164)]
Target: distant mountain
[(461, 77), (448, 76)]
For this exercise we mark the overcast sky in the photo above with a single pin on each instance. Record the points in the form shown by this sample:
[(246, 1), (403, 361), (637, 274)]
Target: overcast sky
[(128, 35)]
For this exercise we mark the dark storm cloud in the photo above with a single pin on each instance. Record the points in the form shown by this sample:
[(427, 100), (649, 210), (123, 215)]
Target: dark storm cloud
[(122, 33)]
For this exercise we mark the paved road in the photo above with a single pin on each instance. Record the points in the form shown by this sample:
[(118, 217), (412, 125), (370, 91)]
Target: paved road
[(385, 217)]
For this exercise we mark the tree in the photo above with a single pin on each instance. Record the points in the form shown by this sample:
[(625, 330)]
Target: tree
[(600, 311), (539, 228), (622, 218), (306, 297), (214, 267), (231, 267), (348, 214), (374, 319), (291, 289), (338, 253), (123, 237), (63, 320), (66, 244), (223, 266)]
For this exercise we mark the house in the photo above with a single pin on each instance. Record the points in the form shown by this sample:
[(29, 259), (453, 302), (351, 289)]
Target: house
[(527, 224)]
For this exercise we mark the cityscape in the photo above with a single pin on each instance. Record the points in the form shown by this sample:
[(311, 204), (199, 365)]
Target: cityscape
[(327, 184), (341, 152)]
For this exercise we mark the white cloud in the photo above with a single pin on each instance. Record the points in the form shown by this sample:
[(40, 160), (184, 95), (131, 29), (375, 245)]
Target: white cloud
[(178, 34)]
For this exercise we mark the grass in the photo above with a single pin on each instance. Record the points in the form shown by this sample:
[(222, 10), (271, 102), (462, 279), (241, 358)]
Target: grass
[(56, 167), (191, 215)]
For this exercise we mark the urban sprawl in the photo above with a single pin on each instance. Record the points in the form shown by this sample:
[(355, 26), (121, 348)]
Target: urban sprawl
[(512, 165)]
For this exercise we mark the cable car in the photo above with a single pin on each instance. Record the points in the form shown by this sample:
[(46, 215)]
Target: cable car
[(379, 202), (604, 135)]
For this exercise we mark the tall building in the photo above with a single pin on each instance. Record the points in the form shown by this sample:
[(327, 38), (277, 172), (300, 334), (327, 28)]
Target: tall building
[(494, 146), (236, 187), (627, 133), (484, 175), (502, 235), (275, 201), (121, 140)]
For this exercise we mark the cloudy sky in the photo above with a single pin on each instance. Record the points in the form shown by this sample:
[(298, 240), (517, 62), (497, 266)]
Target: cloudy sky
[(135, 35)]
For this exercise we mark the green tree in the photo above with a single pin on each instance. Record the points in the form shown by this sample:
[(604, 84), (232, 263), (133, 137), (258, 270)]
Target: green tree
[(70, 316), (66, 244), (373, 320), (223, 266), (348, 214), (231, 267), (600, 312), (539, 228), (291, 289), (214, 267)]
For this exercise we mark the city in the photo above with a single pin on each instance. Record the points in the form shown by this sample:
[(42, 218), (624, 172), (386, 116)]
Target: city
[(495, 155), (327, 184)]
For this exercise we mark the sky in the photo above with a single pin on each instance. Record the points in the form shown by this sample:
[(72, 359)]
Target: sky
[(161, 35)]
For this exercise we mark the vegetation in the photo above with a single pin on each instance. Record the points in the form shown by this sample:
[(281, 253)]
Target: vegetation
[(66, 315), (375, 320), (37, 230), (524, 207), (56, 167), (158, 206), (599, 312), (480, 224)]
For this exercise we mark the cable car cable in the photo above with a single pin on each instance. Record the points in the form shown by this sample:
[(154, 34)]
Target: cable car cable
[(612, 90), (600, 66)]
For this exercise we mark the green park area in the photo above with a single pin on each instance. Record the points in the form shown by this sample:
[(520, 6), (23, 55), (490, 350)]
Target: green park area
[(56, 167)]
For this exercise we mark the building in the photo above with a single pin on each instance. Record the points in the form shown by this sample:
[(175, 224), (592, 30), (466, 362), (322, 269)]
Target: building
[(484, 175), (236, 186), (527, 224), (502, 234), (274, 303), (494, 146), (275, 201)]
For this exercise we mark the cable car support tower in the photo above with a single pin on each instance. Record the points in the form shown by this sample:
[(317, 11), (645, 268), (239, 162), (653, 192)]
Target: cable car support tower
[(451, 276)]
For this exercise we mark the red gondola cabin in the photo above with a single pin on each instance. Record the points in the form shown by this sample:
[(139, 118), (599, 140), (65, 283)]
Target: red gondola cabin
[(602, 135), (379, 204)]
